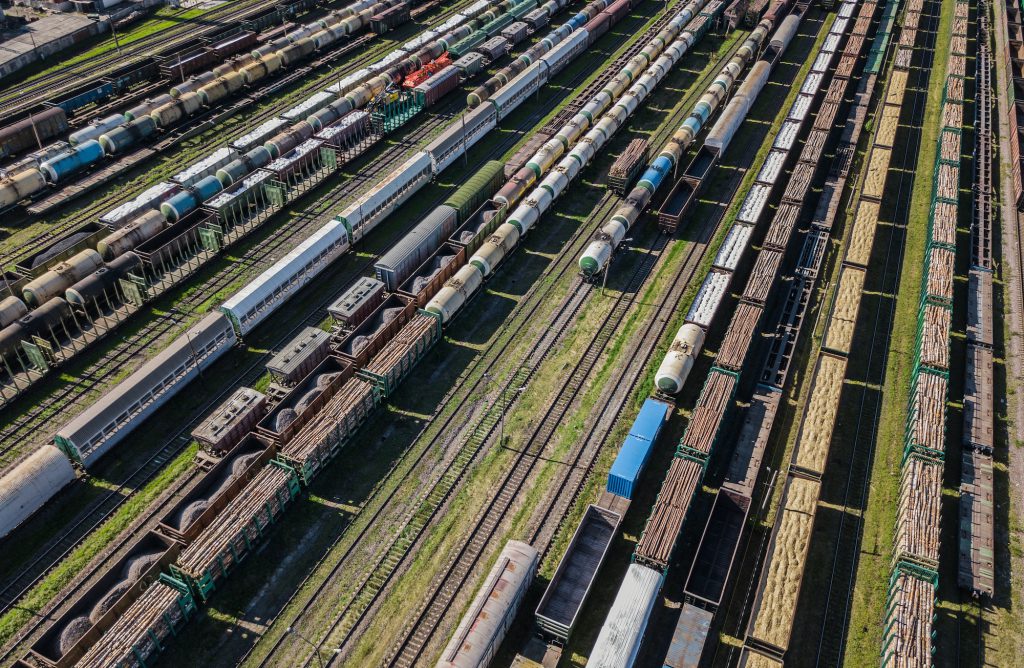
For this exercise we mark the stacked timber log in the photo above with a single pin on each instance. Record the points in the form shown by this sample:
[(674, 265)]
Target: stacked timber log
[(239, 525), (928, 420), (940, 274), (707, 414), (944, 223), (762, 276), (333, 423), (739, 336), (397, 358), (909, 621), (666, 520), (627, 165), (141, 629), (935, 336), (917, 521)]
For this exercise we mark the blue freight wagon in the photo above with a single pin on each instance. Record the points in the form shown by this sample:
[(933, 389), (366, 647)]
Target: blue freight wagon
[(636, 449)]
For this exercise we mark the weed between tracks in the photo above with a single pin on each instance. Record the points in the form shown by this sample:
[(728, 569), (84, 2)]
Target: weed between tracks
[(60, 577), (867, 607)]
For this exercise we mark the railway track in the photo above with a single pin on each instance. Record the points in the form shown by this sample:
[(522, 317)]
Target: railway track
[(59, 547), (351, 614), (196, 126), (22, 97), (832, 637), (34, 422), (104, 509)]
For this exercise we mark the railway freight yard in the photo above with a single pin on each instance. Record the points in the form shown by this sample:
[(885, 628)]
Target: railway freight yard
[(514, 333)]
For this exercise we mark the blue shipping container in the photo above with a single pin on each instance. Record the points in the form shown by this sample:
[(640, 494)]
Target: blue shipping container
[(649, 420), (636, 449)]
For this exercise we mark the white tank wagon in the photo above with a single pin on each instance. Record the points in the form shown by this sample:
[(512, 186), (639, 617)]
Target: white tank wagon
[(455, 293), (366, 212), (484, 625), (597, 254), (25, 488), (103, 425), (648, 59), (262, 296), (619, 640), (679, 359)]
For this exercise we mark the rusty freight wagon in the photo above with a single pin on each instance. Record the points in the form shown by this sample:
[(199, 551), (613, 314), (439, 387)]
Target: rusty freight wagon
[(221, 483), (300, 356), (567, 592), (304, 400), (358, 302), (362, 343), (232, 420), (236, 531)]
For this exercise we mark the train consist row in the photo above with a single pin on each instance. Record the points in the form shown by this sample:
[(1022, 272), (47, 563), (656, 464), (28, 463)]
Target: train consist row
[(111, 137), (579, 140), (89, 436), (167, 232), (769, 629), (259, 453), (709, 574), (976, 572), (910, 611)]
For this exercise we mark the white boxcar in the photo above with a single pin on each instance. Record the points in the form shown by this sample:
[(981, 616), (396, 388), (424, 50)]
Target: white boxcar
[(619, 641), (484, 625), (310, 105), (197, 171), (26, 487), (260, 134), (148, 199), (261, 297), (460, 136), (526, 83), (565, 52), (100, 427), (363, 215)]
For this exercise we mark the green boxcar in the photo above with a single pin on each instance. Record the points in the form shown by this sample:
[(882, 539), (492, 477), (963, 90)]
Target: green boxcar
[(477, 189)]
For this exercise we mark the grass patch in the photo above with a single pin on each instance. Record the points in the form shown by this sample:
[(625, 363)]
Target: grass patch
[(871, 583), (51, 585)]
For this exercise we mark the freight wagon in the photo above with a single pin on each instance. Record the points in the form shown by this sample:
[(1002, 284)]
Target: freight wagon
[(300, 356), (409, 253), (303, 401), (99, 606), (220, 483), (425, 282), (618, 642), (359, 301), (104, 424), (483, 627), (567, 592), (232, 420), (30, 132), (637, 447)]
